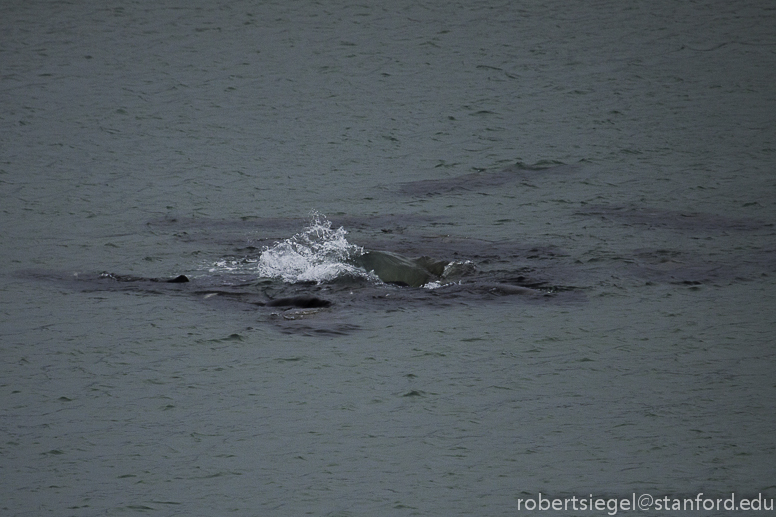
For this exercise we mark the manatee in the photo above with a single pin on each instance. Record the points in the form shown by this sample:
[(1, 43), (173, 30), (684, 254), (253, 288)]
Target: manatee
[(435, 267), (392, 268), (303, 302)]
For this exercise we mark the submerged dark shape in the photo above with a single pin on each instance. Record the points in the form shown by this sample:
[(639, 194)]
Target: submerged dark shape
[(340, 283), (303, 302), (180, 279), (309, 307), (672, 219), (483, 179)]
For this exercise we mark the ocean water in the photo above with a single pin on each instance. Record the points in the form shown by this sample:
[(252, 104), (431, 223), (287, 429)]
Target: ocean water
[(601, 175)]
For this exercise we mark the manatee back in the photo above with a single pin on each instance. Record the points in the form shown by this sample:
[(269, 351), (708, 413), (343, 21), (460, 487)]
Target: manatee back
[(393, 269)]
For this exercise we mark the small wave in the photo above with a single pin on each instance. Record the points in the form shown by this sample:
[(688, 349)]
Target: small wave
[(234, 265), (317, 254), (452, 273)]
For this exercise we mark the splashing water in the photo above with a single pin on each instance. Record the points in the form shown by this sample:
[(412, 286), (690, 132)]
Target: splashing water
[(317, 254)]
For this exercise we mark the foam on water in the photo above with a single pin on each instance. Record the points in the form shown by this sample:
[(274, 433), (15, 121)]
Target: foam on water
[(317, 254), (232, 265)]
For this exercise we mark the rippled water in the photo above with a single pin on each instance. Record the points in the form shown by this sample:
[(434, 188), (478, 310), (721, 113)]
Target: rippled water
[(618, 159)]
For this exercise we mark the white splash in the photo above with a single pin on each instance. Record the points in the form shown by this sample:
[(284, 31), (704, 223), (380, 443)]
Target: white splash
[(317, 254)]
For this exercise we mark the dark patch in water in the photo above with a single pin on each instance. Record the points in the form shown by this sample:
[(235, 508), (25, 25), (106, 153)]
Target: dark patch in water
[(499, 272), (480, 180), (672, 219), (302, 302), (689, 269)]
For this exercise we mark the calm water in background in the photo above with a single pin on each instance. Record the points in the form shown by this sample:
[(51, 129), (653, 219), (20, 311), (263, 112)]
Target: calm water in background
[(153, 138)]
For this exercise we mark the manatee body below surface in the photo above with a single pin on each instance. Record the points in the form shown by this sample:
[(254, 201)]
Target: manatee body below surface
[(325, 308)]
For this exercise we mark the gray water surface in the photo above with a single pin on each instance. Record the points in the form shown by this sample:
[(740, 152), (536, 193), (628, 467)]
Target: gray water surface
[(619, 157)]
